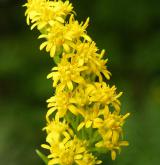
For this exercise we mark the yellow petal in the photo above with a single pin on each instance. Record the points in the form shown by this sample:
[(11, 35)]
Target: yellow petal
[(49, 112), (45, 146), (51, 99), (119, 95), (102, 53), (106, 74), (52, 104), (110, 122), (42, 36), (53, 161), (51, 22), (80, 150), (113, 155), (115, 137), (99, 144), (73, 100), (28, 20), (125, 116), (98, 161), (88, 124), (97, 122), (79, 80), (79, 156), (66, 134), (66, 48), (86, 23), (43, 45), (53, 51), (86, 37), (60, 19), (48, 47), (33, 26), (123, 143), (50, 75), (70, 85), (73, 109), (42, 25), (32, 14), (55, 68), (81, 125), (81, 62), (108, 134)]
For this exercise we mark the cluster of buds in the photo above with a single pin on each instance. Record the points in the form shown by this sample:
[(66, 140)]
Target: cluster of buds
[(83, 116)]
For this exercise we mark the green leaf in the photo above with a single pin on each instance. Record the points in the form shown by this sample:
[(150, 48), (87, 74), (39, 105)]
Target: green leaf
[(42, 156)]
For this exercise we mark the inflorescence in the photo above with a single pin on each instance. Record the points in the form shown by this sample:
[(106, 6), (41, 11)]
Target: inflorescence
[(83, 118)]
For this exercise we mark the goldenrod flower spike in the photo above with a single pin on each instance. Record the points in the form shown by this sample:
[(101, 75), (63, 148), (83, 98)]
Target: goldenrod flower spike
[(43, 13), (84, 112)]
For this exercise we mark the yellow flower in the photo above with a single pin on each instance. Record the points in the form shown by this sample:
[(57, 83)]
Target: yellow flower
[(88, 159), (112, 147), (80, 87), (66, 74), (67, 153), (64, 36), (34, 9), (113, 122), (86, 53), (58, 131), (111, 131), (101, 69), (76, 30), (102, 93), (54, 39), (96, 93), (61, 103), (44, 13), (91, 117), (80, 97)]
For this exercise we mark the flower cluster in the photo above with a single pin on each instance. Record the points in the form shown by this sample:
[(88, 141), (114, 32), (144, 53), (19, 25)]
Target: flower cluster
[(65, 148), (84, 112)]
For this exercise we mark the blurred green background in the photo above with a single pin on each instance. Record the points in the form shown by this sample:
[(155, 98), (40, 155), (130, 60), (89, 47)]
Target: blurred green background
[(130, 33)]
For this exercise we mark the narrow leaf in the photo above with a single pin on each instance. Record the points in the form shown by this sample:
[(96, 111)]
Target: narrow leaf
[(42, 156)]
